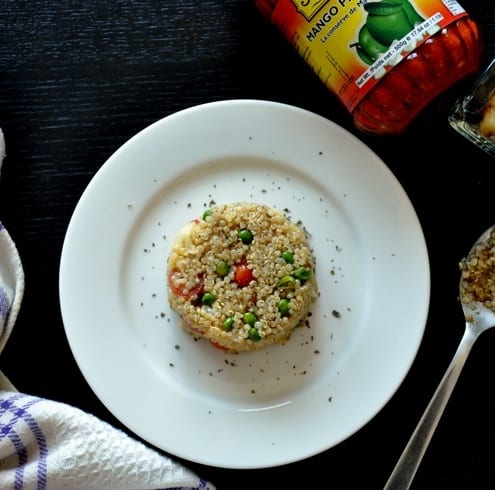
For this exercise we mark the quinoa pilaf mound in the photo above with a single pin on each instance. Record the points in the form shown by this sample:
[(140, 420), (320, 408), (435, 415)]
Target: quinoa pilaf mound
[(242, 276)]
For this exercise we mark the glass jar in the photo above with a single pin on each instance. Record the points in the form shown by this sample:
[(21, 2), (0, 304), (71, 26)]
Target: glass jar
[(473, 115), (385, 60)]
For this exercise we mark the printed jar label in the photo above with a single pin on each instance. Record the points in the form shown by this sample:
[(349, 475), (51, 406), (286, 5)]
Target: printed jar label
[(351, 44)]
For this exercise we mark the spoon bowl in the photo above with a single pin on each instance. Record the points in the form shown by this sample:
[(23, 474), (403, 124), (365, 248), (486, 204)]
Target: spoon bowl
[(477, 296)]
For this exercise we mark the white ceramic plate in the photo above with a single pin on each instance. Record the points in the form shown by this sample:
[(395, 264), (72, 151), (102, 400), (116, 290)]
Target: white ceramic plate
[(281, 404)]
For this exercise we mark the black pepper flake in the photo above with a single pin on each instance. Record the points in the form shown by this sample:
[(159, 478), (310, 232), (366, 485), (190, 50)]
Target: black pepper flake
[(253, 391), (329, 398), (316, 351), (171, 364), (177, 346), (336, 314)]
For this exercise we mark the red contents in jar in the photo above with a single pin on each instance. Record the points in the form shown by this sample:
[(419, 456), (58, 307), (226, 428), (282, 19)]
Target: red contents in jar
[(433, 67), (437, 59)]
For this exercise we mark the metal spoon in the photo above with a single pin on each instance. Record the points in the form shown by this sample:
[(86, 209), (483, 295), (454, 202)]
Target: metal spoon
[(479, 317)]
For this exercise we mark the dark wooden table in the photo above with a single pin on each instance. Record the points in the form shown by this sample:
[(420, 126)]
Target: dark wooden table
[(78, 79)]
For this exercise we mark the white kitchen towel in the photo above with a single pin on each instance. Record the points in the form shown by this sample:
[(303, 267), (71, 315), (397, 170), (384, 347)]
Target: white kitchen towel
[(46, 444)]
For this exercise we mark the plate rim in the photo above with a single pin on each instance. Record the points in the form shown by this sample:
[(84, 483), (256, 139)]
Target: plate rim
[(193, 111)]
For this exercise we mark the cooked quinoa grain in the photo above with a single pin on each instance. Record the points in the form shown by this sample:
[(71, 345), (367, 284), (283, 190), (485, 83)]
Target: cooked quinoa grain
[(478, 275), (242, 276)]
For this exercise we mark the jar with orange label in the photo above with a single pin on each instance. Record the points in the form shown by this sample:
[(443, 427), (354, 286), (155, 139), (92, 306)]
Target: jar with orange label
[(386, 60)]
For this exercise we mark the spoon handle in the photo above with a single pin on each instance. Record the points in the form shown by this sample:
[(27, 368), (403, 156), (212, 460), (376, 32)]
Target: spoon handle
[(411, 457)]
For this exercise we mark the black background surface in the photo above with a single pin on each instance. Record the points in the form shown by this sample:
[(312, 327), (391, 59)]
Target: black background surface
[(78, 79)]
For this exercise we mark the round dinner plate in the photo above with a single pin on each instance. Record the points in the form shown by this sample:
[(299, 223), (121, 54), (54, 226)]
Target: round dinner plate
[(283, 403)]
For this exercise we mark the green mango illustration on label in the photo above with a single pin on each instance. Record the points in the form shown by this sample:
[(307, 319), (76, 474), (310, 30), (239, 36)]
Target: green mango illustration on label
[(387, 21)]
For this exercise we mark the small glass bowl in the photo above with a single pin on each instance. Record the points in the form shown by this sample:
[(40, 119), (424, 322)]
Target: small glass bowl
[(468, 111)]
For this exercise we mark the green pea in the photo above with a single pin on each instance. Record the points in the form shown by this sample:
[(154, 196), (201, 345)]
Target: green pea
[(254, 334), (228, 323), (208, 299), (207, 213), (222, 268), (245, 236), (284, 307), (302, 273), (287, 282), (249, 318), (288, 257)]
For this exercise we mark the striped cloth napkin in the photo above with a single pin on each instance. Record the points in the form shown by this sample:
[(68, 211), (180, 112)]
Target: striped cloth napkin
[(50, 445)]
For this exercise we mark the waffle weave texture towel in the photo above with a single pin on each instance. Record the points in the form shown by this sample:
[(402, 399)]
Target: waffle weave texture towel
[(46, 444)]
